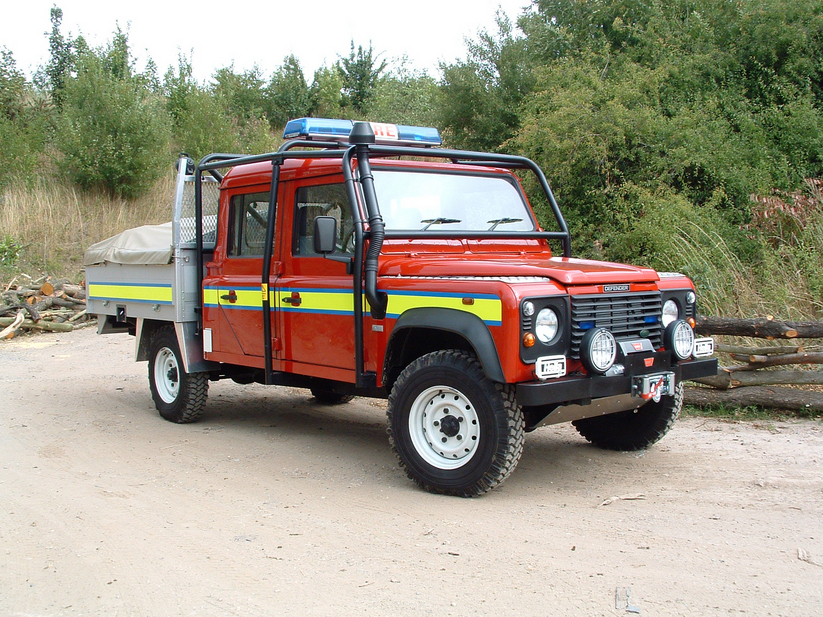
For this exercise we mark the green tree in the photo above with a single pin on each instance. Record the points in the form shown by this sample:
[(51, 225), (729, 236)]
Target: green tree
[(114, 132), (405, 96), (61, 57), (288, 95), (481, 95), (242, 94), (326, 93), (25, 119), (360, 71)]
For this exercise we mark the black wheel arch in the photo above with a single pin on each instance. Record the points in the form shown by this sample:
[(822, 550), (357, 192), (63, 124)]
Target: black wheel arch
[(423, 330)]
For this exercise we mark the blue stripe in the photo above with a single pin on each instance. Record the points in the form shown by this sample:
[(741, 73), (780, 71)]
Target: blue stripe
[(444, 294)]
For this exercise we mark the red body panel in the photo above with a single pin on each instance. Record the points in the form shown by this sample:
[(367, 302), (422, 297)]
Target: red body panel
[(312, 300)]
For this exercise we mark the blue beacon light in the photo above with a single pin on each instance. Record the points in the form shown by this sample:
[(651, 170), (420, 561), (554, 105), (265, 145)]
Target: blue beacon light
[(338, 130)]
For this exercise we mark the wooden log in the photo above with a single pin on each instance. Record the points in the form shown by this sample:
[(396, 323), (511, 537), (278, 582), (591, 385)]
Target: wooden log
[(756, 362), (74, 291), (71, 303), (760, 351), (42, 325), (78, 316), (44, 304), (11, 328), (762, 327), (761, 396), (726, 379)]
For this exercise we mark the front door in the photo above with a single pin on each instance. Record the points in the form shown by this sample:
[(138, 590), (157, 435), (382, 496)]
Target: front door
[(314, 294)]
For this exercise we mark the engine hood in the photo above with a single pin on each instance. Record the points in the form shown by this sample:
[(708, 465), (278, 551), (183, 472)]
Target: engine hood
[(566, 271)]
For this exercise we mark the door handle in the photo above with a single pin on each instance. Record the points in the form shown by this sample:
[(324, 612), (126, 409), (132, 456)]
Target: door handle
[(294, 299), (231, 296)]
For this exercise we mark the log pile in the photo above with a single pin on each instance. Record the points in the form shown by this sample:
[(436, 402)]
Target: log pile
[(42, 304), (747, 383)]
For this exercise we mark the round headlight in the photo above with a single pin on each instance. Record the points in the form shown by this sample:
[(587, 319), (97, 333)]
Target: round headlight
[(528, 308), (598, 350), (671, 312), (679, 338), (546, 325)]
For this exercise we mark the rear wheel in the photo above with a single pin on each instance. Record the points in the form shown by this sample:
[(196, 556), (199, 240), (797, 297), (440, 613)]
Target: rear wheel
[(635, 429), (179, 396), (453, 429)]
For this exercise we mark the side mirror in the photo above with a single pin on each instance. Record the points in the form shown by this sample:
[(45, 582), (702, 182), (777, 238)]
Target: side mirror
[(325, 234)]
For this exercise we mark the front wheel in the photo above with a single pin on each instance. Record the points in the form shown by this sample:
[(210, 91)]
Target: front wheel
[(179, 396), (454, 430), (634, 429)]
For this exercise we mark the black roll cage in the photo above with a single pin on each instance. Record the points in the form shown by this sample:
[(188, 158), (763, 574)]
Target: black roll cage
[(363, 267)]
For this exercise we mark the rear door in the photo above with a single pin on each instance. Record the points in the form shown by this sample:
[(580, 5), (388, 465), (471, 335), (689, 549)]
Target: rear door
[(235, 287)]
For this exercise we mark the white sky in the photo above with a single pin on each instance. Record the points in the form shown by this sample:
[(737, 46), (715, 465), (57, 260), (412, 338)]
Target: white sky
[(217, 34)]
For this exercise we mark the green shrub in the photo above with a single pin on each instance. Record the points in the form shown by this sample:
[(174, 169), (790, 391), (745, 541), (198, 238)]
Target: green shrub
[(114, 133), (10, 251)]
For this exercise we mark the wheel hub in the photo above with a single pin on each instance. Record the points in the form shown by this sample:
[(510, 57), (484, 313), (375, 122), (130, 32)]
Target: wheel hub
[(450, 426), (444, 427)]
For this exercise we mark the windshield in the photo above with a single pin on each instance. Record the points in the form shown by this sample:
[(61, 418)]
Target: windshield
[(442, 201)]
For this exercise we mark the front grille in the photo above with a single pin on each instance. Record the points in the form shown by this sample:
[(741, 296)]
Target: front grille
[(624, 315)]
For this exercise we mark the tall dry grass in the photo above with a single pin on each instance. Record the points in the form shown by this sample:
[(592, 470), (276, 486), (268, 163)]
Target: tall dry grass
[(55, 222), (786, 281)]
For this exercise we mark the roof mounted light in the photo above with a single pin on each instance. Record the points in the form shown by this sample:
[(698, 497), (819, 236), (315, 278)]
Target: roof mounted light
[(324, 129)]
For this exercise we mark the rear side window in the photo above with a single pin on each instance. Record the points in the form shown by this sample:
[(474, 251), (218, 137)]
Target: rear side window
[(247, 233), (322, 200)]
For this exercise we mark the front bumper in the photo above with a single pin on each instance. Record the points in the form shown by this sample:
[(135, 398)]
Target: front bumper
[(578, 389)]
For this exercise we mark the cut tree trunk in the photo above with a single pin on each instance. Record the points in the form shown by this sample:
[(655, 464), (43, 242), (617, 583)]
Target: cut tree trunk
[(726, 379), (761, 396), (756, 362), (762, 351), (762, 327), (48, 326)]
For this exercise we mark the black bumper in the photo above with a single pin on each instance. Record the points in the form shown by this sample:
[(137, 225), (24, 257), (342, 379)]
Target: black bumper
[(581, 390)]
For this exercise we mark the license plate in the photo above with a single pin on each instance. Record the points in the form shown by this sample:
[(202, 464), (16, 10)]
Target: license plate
[(549, 367), (653, 386), (703, 347)]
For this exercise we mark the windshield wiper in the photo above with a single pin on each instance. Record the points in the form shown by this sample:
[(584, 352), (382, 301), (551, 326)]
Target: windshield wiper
[(440, 221), (502, 222)]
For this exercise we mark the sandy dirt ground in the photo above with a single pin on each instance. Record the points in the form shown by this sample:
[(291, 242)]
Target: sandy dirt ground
[(273, 504)]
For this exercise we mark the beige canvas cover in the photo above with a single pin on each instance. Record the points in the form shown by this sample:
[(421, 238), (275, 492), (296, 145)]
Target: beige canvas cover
[(146, 245)]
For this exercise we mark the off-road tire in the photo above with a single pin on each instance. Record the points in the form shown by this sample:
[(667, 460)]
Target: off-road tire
[(635, 429), (437, 402), (179, 396), (327, 397)]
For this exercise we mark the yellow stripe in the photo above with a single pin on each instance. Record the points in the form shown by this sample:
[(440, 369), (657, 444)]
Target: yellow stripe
[(211, 296), (487, 309), (137, 293), (321, 301)]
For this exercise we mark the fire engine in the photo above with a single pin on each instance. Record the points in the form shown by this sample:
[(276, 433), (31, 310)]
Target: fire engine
[(364, 259)]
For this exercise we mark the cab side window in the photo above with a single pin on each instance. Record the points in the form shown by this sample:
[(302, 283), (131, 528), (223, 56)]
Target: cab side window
[(247, 233), (322, 200)]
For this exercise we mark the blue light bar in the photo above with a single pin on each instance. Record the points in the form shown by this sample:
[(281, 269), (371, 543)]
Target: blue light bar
[(325, 129)]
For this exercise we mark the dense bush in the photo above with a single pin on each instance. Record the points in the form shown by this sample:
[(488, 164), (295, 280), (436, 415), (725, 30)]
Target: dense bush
[(113, 131)]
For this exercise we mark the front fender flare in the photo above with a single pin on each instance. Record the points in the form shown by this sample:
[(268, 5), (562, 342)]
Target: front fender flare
[(467, 325)]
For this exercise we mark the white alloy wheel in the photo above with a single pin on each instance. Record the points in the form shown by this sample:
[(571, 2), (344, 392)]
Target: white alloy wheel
[(444, 427), (167, 375)]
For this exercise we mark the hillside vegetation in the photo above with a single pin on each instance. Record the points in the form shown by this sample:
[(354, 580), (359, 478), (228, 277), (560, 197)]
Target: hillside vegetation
[(682, 134)]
